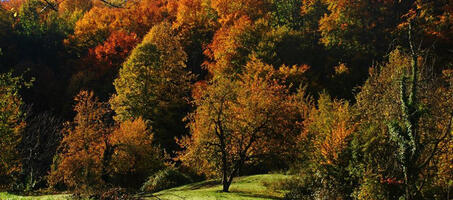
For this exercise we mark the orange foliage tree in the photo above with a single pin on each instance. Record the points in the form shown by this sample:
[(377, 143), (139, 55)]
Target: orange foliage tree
[(231, 10), (79, 163), (94, 153), (325, 142), (116, 48), (331, 124), (238, 121), (99, 22), (131, 156)]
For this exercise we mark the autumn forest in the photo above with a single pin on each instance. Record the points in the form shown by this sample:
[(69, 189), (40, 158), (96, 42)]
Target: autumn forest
[(117, 99)]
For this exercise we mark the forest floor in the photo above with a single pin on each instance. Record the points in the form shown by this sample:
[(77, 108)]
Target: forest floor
[(256, 187)]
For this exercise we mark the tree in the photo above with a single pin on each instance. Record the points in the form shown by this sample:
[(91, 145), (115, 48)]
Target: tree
[(407, 134), (361, 25), (79, 164), (95, 152), (100, 67), (130, 155), (237, 120), (116, 48), (332, 124), (327, 137), (11, 124), (99, 22), (287, 12), (34, 27), (196, 22), (231, 10), (40, 139), (69, 7), (417, 131), (153, 84)]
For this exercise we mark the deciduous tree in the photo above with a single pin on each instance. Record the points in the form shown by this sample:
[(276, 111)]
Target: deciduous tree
[(11, 124), (237, 120), (153, 84), (130, 155), (79, 164), (417, 131)]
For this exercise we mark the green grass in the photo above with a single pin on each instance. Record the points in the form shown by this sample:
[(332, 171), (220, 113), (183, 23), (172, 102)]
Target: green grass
[(257, 187), (245, 188), (7, 196)]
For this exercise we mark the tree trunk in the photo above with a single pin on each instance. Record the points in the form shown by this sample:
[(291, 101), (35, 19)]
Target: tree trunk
[(226, 185), (106, 158)]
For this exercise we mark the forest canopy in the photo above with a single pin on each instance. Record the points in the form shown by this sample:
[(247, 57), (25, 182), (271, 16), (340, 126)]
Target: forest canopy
[(353, 98)]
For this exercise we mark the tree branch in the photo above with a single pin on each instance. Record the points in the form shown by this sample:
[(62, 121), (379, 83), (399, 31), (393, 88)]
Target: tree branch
[(50, 5), (436, 145)]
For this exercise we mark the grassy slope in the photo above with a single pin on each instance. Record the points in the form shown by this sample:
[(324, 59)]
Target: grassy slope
[(7, 196), (243, 188), (249, 187)]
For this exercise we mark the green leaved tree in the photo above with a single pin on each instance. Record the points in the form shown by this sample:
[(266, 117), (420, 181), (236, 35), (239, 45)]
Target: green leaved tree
[(153, 83)]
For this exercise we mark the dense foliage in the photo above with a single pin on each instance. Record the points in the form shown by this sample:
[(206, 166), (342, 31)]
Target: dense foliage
[(354, 97)]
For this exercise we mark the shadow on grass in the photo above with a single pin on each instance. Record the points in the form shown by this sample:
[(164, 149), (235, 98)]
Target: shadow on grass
[(157, 197), (204, 184)]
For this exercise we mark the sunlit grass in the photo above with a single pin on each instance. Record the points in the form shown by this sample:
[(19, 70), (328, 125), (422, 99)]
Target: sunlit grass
[(249, 187), (254, 187), (8, 196)]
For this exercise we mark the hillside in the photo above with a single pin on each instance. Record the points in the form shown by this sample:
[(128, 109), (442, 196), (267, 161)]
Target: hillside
[(243, 188), (248, 187)]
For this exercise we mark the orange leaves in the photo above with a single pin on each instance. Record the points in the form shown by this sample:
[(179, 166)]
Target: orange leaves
[(331, 124), (93, 149), (136, 17), (134, 152), (80, 163), (116, 48), (74, 5), (243, 117), (231, 10), (225, 45), (193, 13), (12, 4)]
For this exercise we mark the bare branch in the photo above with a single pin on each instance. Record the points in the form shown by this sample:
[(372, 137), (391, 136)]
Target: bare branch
[(50, 5)]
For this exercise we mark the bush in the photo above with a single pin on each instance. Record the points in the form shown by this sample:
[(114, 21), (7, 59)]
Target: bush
[(164, 179), (299, 188)]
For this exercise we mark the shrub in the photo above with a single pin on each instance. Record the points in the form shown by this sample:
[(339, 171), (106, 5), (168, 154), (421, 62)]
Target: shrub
[(164, 179), (299, 188)]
